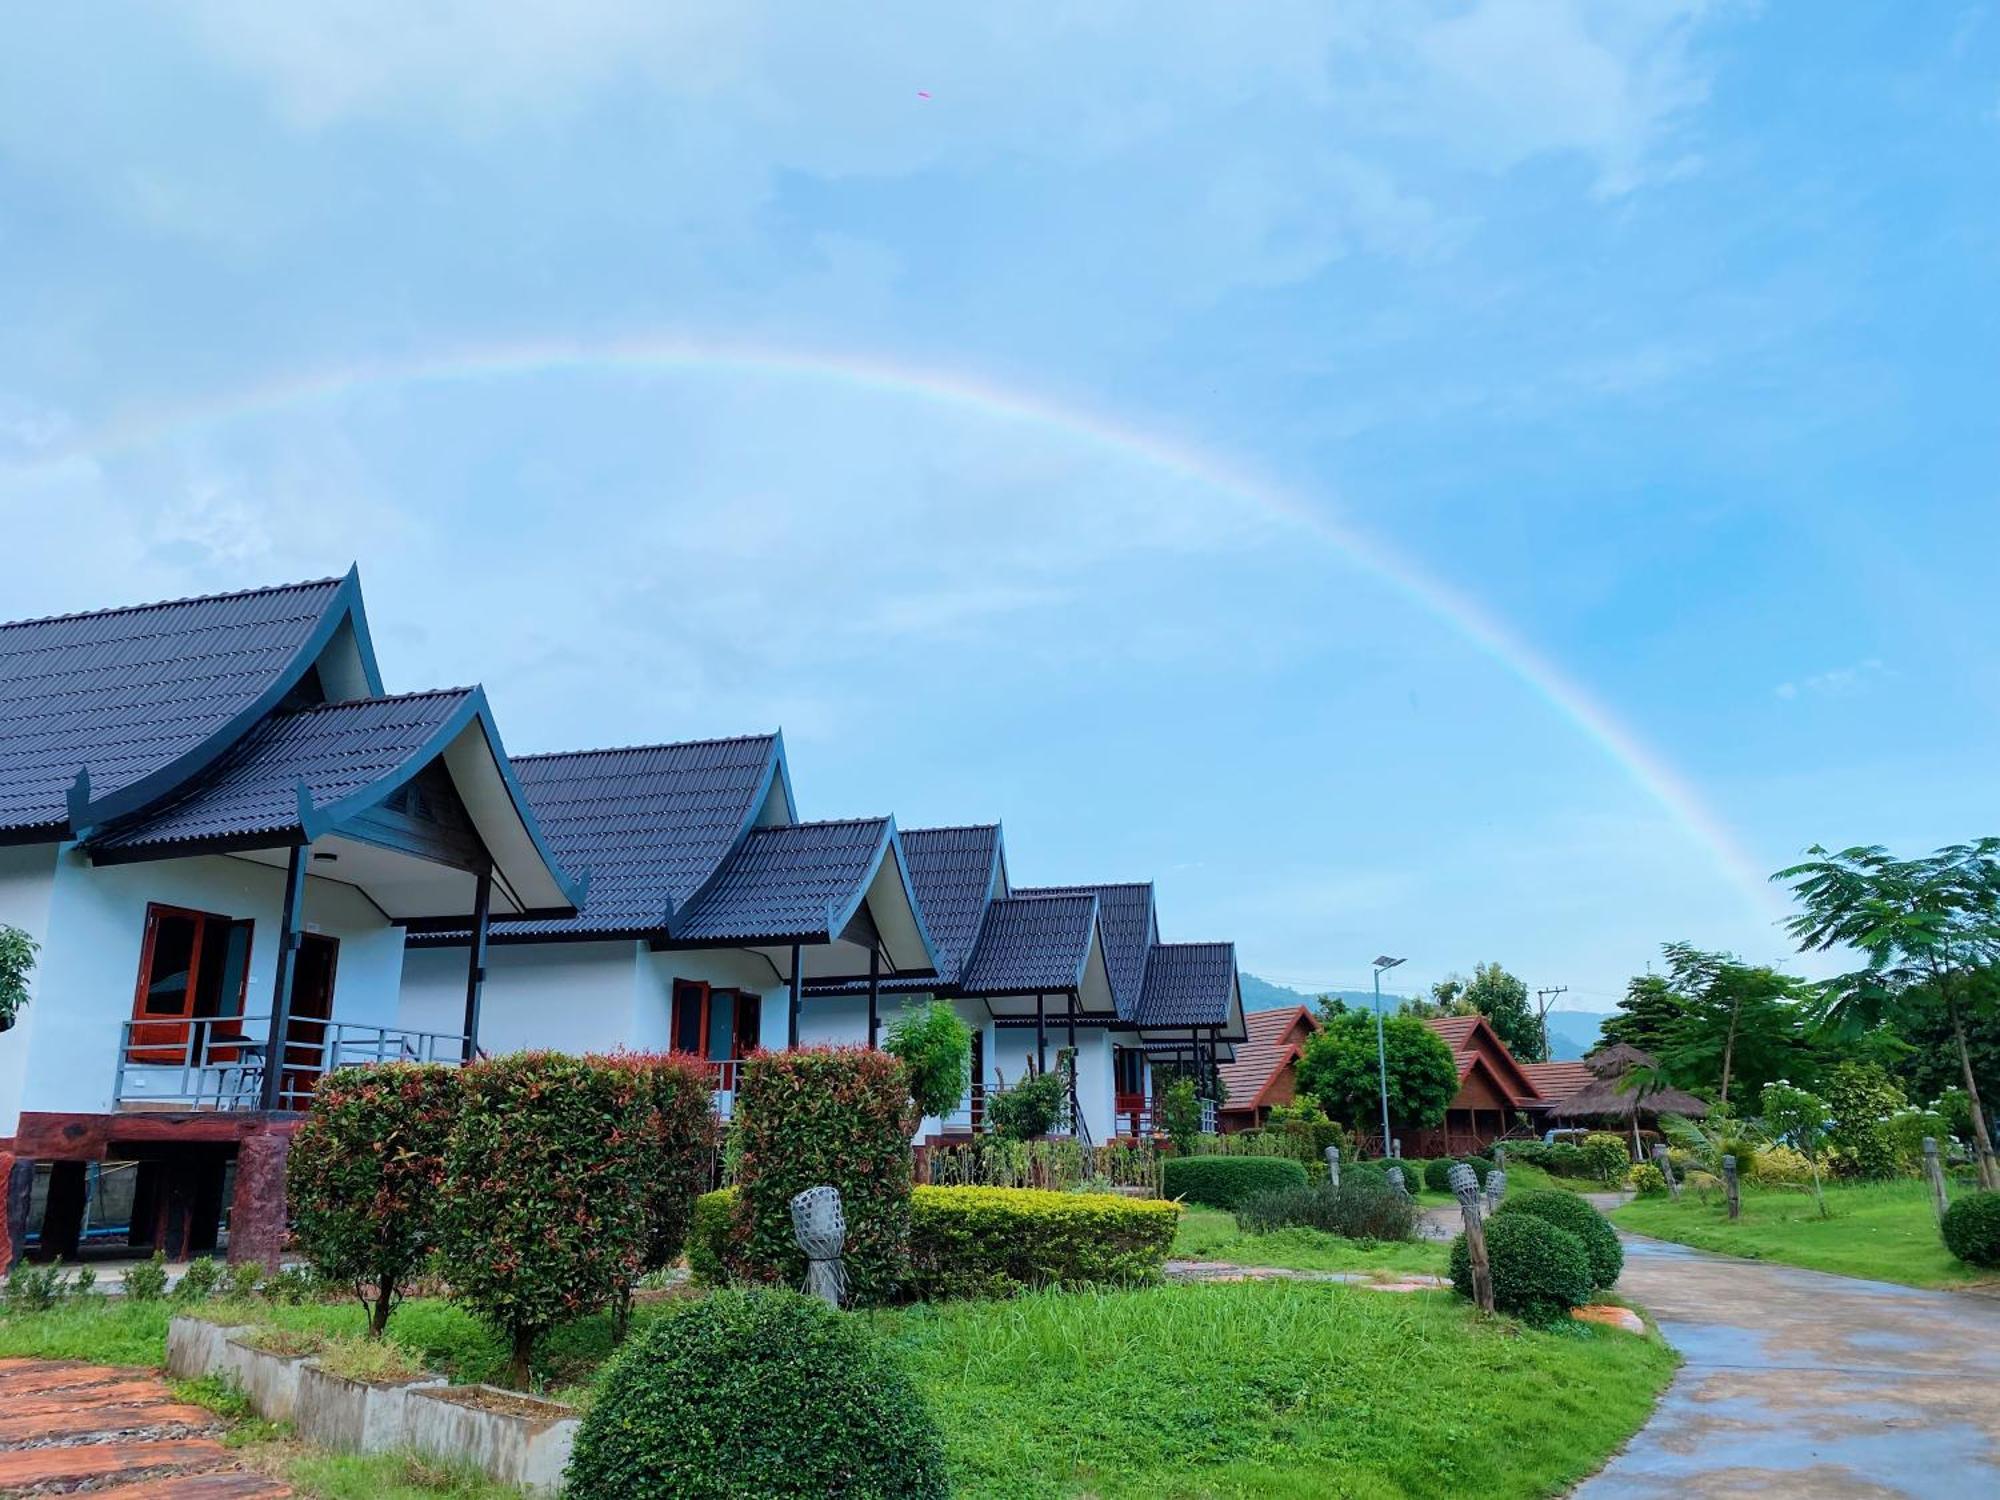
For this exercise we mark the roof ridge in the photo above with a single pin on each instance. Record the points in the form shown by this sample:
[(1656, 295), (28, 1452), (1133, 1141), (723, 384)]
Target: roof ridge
[(724, 739), (135, 609), (1095, 885), (827, 823), (953, 828)]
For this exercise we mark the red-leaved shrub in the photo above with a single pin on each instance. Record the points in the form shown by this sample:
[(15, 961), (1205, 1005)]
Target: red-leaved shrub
[(678, 1111)]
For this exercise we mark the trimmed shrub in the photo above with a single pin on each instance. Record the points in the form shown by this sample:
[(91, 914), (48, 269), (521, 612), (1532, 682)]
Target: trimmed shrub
[(1361, 1208), (708, 1248), (542, 1217), (1780, 1165), (824, 1116), (1648, 1180), (1224, 1181), (1567, 1211), (1605, 1157), (1972, 1229), (1539, 1271), (676, 1107), (987, 1241), (765, 1393), (364, 1174), (1437, 1174)]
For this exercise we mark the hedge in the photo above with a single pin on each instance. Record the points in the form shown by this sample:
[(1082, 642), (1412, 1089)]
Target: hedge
[(1361, 1208), (1972, 1229), (1437, 1174), (1224, 1181), (824, 1116), (979, 1241), (1539, 1271), (541, 1218), (364, 1173), (1566, 1210), (768, 1393), (679, 1110), (985, 1241)]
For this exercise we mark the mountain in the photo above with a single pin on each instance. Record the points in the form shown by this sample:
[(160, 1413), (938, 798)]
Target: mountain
[(1572, 1033), (1262, 994)]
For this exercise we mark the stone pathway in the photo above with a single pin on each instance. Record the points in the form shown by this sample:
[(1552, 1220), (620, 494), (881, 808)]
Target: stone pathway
[(69, 1428), (1798, 1384)]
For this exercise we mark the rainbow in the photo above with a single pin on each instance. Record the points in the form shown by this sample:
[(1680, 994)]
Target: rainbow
[(1472, 622)]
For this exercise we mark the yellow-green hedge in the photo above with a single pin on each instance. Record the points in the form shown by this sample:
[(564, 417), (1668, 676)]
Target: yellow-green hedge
[(987, 1241)]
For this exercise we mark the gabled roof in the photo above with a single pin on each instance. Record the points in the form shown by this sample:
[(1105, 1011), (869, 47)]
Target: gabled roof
[(1125, 916), (102, 713), (297, 777), (1556, 1081), (1475, 1034), (651, 823), (800, 882), (953, 872), (1032, 944), (1188, 984), (1260, 1061)]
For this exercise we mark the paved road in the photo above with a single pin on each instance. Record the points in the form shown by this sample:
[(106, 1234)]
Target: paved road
[(1802, 1384)]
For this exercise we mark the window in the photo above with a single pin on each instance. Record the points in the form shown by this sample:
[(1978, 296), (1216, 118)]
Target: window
[(193, 966), (1130, 1064), (715, 1024)]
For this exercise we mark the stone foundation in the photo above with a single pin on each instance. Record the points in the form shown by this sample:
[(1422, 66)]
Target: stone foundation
[(257, 1213)]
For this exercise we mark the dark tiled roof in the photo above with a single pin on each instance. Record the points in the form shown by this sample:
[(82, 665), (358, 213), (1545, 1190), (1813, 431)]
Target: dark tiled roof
[(1188, 984), (128, 692), (651, 824), (951, 871), (336, 751), (1125, 916), (1032, 944), (798, 881)]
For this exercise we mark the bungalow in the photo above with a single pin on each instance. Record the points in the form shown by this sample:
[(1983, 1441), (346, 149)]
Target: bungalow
[(1265, 1069), (1494, 1093), (214, 823), (710, 912)]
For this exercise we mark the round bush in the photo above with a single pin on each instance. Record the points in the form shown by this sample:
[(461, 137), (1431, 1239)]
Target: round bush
[(1437, 1175), (757, 1393), (1648, 1180), (1972, 1229), (1225, 1181), (1569, 1212), (1540, 1272)]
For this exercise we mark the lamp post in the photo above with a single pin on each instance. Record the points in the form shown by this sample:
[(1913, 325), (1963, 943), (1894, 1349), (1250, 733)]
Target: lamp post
[(1381, 1047)]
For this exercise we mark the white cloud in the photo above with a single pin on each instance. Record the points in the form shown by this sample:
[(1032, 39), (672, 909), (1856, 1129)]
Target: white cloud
[(1835, 682)]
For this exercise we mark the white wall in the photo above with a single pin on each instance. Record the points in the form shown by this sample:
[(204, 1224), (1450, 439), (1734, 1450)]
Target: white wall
[(95, 931), (27, 879)]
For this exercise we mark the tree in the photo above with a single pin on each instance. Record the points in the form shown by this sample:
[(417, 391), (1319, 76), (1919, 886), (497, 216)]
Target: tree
[(1497, 995), (1736, 1019), (1647, 1015), (1799, 1118), (17, 962), (1933, 921), (935, 1047), (1339, 1069)]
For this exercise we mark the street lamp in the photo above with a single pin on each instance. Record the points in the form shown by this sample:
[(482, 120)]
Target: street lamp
[(1381, 1048)]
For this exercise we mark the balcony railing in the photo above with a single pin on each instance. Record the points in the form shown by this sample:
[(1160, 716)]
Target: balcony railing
[(220, 1062), (1140, 1118)]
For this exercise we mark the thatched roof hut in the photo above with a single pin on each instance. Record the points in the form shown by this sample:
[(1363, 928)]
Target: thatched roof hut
[(1605, 1097)]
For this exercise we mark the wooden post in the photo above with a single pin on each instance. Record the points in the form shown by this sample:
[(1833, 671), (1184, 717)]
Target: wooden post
[(1729, 1187), (1666, 1165), (1465, 1186), (292, 916), (1934, 1174), (797, 996), (1333, 1166), (475, 963)]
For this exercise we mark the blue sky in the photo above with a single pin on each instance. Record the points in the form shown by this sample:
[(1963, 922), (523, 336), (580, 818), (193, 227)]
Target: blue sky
[(1246, 364)]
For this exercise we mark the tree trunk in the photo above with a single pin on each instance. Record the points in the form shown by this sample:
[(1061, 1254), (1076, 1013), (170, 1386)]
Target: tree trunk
[(1989, 1174), (1729, 1048), (378, 1315), (517, 1366)]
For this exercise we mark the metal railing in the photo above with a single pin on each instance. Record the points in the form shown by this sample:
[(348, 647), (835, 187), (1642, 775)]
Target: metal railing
[(220, 1062), (1141, 1118)]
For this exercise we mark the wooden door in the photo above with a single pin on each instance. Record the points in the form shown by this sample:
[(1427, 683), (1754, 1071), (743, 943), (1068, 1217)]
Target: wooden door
[(306, 1045)]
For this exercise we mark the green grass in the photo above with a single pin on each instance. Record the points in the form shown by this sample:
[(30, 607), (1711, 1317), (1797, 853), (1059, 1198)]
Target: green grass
[(389, 1476), (1285, 1390), (1211, 1234), (1883, 1231)]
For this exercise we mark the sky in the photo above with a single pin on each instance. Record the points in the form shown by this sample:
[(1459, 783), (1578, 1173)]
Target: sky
[(1486, 480)]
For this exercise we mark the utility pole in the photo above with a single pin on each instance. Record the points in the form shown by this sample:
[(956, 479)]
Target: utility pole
[(1542, 999)]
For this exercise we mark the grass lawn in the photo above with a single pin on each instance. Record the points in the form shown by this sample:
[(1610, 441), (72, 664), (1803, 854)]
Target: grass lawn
[(1276, 1389), (1881, 1230), (1211, 1234)]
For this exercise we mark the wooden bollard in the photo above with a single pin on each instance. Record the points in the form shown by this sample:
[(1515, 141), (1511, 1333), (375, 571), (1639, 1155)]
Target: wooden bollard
[(1333, 1166), (1666, 1165), (1934, 1174), (1465, 1187), (1729, 1188)]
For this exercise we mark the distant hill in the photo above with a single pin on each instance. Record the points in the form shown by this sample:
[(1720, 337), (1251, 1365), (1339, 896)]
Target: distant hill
[(1572, 1033), (1261, 994)]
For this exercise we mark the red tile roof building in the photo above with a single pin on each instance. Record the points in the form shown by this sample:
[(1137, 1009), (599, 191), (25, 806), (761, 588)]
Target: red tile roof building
[(1265, 1071)]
